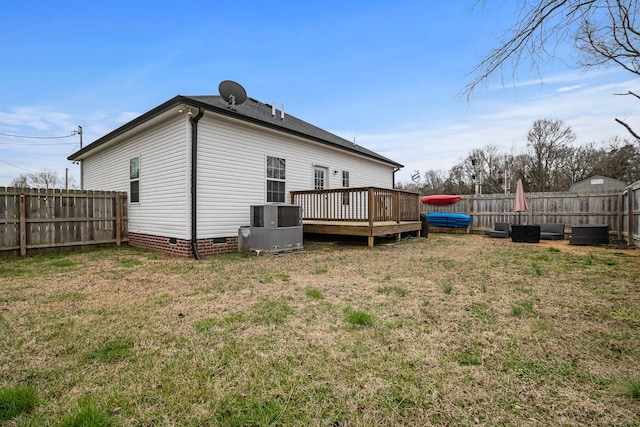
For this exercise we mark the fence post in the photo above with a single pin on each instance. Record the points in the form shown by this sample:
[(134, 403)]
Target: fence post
[(397, 207), (118, 220), (23, 228), (620, 209), (630, 217), (468, 203), (370, 212)]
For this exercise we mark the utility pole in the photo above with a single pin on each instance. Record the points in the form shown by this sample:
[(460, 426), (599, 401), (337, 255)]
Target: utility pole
[(476, 176), (80, 133), (507, 166)]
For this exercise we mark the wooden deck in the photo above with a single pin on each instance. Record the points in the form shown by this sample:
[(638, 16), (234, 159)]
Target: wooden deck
[(367, 211), (381, 228)]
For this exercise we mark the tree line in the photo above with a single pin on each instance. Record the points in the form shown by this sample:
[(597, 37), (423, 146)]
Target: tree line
[(604, 33), (45, 179), (550, 162)]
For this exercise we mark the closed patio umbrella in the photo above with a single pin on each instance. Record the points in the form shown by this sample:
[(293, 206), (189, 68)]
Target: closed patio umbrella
[(520, 204)]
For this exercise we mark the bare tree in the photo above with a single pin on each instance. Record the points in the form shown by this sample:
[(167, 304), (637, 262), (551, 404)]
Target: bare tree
[(621, 160), (604, 32), (576, 164), (44, 179), (548, 141), (550, 163), (20, 182), (458, 181), (486, 166), (610, 35), (520, 168), (434, 181)]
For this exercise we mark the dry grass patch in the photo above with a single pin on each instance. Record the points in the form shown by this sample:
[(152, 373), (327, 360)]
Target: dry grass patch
[(453, 329)]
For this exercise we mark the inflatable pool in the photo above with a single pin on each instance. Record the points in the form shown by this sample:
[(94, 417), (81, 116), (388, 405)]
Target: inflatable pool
[(446, 219)]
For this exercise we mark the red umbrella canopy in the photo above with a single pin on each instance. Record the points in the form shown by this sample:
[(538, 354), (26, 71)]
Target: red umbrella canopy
[(520, 204)]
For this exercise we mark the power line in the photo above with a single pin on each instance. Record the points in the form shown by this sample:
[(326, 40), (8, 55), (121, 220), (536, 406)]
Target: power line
[(74, 133), (31, 144), (11, 164)]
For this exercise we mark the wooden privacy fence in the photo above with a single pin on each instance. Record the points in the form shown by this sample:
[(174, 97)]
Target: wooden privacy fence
[(620, 210), (32, 219), (631, 214)]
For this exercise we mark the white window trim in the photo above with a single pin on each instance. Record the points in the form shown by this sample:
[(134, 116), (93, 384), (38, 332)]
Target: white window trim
[(135, 179), (267, 178), (325, 171)]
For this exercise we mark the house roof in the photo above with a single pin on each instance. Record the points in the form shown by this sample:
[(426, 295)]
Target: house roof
[(251, 111), (597, 183)]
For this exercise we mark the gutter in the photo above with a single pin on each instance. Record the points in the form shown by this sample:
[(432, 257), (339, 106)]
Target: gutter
[(194, 176), (394, 177)]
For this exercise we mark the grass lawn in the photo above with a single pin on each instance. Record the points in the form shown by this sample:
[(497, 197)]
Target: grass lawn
[(449, 330)]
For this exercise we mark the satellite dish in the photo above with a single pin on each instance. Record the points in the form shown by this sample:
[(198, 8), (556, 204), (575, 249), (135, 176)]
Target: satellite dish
[(232, 92), (415, 177)]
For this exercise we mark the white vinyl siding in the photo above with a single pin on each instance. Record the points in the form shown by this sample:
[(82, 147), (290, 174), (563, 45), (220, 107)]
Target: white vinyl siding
[(232, 170), (164, 207)]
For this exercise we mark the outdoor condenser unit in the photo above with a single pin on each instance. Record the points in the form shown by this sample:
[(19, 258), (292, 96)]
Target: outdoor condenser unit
[(276, 228)]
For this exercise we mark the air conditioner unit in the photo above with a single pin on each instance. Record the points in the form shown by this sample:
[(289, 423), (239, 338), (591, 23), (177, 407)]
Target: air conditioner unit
[(276, 228)]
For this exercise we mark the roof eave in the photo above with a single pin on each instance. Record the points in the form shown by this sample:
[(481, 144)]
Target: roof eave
[(231, 113), (303, 135), (177, 100), (180, 99)]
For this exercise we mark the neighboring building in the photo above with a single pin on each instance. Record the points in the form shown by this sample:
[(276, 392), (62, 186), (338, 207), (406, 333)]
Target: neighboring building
[(197, 160), (597, 184)]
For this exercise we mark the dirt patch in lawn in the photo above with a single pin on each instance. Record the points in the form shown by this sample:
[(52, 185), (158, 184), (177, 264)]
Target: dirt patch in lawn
[(615, 246)]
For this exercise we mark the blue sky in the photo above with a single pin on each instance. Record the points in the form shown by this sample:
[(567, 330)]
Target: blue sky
[(388, 74)]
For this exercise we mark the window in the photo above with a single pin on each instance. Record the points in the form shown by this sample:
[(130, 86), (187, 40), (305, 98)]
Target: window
[(319, 178), (276, 168), (134, 177), (345, 179), (345, 184)]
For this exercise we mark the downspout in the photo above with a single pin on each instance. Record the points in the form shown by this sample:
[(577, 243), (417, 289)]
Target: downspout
[(194, 177), (394, 177)]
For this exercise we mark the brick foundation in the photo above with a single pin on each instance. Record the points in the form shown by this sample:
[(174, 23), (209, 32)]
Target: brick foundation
[(182, 247)]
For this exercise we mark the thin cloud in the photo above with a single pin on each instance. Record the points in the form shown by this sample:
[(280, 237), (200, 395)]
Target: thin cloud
[(589, 109), (569, 88), (562, 78), (35, 118)]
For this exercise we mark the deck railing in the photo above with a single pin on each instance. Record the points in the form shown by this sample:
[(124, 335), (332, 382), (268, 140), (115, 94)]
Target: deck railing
[(365, 204)]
